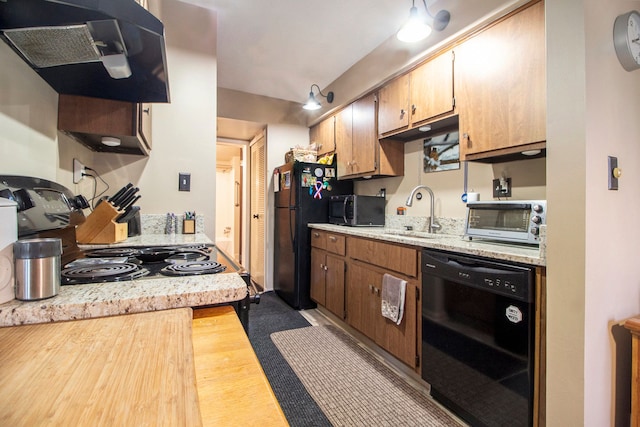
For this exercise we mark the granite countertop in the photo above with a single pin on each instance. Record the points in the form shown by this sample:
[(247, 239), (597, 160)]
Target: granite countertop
[(115, 298), (449, 242)]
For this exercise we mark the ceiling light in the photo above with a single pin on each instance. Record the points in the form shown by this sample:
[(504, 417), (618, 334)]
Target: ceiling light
[(425, 128), (110, 141), (313, 103), (417, 28)]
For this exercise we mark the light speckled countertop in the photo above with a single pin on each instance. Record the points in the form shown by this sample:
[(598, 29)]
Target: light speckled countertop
[(507, 252), (114, 298)]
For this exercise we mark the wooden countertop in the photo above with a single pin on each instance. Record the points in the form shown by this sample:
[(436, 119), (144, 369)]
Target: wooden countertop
[(125, 370), (232, 386), (155, 368)]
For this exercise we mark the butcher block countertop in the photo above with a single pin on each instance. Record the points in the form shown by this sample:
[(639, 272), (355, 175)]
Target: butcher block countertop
[(145, 369), (115, 298), (124, 370)]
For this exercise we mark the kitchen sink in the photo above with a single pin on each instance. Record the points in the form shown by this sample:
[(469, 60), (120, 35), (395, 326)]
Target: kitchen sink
[(411, 233)]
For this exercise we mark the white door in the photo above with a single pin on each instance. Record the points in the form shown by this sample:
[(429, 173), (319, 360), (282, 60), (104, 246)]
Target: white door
[(257, 190)]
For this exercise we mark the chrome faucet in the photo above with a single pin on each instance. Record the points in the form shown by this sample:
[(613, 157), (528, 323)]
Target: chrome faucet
[(433, 224)]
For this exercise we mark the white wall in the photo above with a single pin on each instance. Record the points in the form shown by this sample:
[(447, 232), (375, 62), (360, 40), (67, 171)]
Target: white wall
[(592, 111), (28, 119)]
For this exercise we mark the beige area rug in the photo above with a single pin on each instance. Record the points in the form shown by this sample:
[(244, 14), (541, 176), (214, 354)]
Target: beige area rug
[(350, 385)]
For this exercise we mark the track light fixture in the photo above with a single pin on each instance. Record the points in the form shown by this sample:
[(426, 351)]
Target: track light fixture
[(417, 28), (313, 103)]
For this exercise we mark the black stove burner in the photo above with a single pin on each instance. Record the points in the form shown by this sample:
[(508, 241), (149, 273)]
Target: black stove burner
[(193, 268), (99, 273), (111, 252)]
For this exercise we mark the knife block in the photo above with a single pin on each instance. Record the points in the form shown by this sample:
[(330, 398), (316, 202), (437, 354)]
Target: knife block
[(100, 226)]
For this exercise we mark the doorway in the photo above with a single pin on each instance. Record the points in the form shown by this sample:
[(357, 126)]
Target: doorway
[(229, 196)]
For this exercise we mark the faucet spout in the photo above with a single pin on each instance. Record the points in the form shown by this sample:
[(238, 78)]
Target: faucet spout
[(433, 224)]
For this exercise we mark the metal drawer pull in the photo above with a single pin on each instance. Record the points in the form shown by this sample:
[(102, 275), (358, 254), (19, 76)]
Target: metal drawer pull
[(333, 238)]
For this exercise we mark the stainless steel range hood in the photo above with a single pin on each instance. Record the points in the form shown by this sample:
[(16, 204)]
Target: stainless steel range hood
[(111, 49)]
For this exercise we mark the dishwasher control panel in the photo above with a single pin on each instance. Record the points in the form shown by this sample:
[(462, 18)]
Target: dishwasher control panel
[(512, 280)]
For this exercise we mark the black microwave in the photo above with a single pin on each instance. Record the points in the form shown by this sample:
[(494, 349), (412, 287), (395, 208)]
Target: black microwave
[(356, 210)]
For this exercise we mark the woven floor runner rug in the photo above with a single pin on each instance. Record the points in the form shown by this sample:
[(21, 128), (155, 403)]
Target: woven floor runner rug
[(350, 385)]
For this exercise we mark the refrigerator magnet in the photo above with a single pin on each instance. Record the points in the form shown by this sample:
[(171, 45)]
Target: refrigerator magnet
[(330, 172), (307, 180), (276, 182), (318, 172), (286, 179)]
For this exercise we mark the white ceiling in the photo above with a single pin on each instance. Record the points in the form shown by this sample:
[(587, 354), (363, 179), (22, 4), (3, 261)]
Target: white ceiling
[(278, 48)]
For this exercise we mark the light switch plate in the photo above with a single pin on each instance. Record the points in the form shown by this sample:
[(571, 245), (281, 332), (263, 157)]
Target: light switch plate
[(612, 164), (184, 182)]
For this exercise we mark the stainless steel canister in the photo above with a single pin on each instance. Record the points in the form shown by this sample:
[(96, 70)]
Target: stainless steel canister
[(37, 268)]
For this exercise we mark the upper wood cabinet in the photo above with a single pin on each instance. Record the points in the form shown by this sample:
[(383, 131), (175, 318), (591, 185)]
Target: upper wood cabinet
[(431, 87), (501, 86), (89, 119), (416, 97), (323, 135), (359, 153)]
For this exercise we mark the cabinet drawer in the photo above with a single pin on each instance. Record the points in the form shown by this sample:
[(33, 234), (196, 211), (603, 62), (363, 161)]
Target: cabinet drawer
[(336, 244), (318, 239), (392, 257)]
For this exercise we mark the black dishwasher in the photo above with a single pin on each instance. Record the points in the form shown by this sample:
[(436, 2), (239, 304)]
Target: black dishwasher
[(478, 331)]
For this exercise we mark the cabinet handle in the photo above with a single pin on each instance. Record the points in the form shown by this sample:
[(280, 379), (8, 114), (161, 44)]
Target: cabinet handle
[(321, 266), (402, 113), (333, 238), (413, 108), (146, 110), (371, 288), (316, 234), (326, 268)]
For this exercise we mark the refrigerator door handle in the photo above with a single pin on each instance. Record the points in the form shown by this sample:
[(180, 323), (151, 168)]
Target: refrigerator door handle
[(292, 211)]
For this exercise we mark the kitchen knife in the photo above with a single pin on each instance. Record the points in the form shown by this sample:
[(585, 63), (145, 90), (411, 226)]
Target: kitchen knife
[(113, 199), (128, 198), (128, 214), (124, 197), (129, 204)]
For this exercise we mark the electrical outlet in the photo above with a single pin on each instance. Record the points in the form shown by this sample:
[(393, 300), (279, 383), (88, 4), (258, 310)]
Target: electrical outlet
[(502, 187), (78, 171), (184, 182)]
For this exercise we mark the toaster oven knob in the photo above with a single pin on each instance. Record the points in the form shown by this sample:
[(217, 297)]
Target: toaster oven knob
[(535, 231), (536, 219), (537, 208)]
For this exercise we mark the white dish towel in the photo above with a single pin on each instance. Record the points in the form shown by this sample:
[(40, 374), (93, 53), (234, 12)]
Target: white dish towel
[(393, 295)]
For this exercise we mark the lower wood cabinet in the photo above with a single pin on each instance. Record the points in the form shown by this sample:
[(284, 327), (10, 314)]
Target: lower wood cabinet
[(328, 271), (364, 312), (346, 279), (327, 281)]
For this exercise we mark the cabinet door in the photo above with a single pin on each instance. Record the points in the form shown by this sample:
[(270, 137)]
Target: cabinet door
[(432, 88), (501, 85), (323, 135), (400, 340), (360, 299), (334, 285), (344, 139), (393, 110), (365, 140), (318, 291)]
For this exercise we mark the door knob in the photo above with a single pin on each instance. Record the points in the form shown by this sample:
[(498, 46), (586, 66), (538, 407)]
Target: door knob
[(256, 216)]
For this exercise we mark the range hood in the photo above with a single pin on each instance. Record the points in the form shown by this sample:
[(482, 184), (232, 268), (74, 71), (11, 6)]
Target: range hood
[(112, 49)]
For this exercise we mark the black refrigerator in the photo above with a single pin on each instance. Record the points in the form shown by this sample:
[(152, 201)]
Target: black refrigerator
[(302, 192)]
